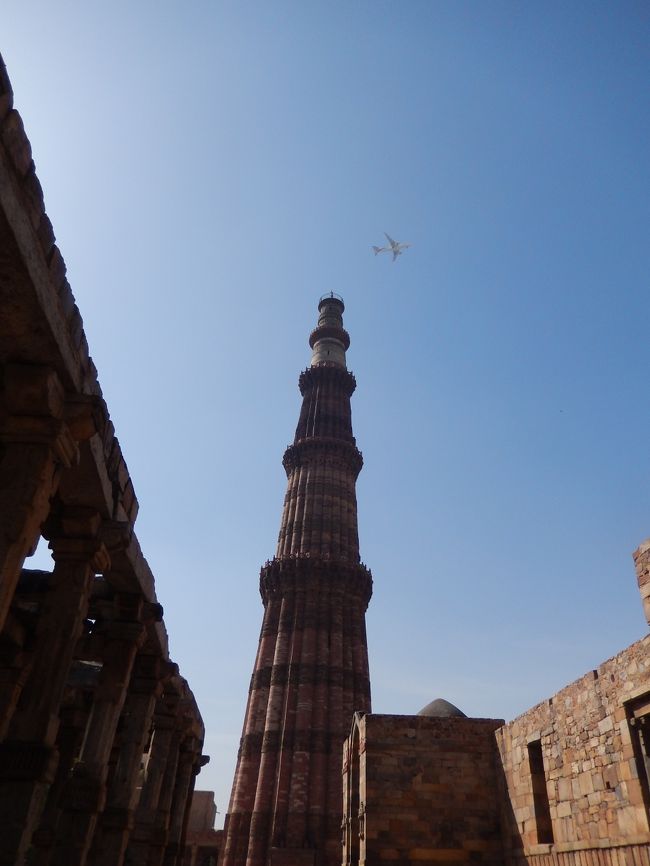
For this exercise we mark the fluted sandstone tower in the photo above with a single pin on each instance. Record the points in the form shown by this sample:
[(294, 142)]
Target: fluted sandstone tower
[(311, 670)]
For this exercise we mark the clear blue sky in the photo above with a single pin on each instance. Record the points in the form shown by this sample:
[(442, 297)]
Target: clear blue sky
[(211, 168)]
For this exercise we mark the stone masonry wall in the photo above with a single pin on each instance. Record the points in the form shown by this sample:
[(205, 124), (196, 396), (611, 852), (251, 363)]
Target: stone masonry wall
[(591, 806), (426, 791), (642, 566)]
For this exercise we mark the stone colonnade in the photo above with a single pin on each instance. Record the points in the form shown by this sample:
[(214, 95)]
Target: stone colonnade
[(100, 737)]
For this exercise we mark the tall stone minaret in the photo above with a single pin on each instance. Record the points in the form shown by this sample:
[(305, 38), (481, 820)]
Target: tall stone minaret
[(311, 670)]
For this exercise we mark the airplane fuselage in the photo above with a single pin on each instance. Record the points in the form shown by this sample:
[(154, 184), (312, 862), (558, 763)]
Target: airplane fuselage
[(396, 247)]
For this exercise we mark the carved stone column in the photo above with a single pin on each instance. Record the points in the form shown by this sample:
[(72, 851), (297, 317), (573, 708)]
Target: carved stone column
[(36, 445), (84, 795), (75, 711), (28, 757), (185, 853), (160, 830), (188, 768), (117, 820), (148, 839)]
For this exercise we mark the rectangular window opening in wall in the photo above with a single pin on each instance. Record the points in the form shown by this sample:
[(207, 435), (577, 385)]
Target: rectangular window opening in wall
[(540, 793), (638, 714)]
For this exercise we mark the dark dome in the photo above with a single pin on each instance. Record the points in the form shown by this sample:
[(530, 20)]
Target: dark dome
[(442, 709)]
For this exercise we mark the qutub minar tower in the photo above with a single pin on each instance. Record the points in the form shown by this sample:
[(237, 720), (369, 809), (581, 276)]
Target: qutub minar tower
[(311, 670)]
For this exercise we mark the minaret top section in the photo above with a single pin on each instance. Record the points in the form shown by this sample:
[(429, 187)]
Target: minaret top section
[(329, 341)]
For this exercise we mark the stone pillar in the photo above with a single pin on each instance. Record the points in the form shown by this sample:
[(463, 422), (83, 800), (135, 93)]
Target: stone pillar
[(148, 838), (642, 565), (84, 794), (28, 757), (117, 820), (186, 853), (186, 773), (75, 711), (37, 445), (162, 817)]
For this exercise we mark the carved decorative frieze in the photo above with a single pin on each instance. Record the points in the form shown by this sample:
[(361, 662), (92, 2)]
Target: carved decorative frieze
[(324, 451), (303, 572), (313, 376)]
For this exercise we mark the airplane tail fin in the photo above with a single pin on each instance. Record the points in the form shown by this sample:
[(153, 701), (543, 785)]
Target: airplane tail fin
[(377, 249)]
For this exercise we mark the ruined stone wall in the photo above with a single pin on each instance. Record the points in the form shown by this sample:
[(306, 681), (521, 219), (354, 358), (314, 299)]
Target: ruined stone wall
[(573, 770), (419, 789)]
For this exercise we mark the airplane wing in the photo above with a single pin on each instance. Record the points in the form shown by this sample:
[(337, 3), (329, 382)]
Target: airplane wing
[(395, 254), (390, 240)]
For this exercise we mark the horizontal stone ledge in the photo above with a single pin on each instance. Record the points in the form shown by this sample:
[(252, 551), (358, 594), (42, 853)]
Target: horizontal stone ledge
[(321, 449), (327, 373), (315, 574)]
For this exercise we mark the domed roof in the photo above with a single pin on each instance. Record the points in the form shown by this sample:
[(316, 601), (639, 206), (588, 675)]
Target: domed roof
[(442, 709)]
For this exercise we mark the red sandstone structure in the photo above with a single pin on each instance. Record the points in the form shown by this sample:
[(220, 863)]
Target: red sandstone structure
[(311, 670), (100, 737)]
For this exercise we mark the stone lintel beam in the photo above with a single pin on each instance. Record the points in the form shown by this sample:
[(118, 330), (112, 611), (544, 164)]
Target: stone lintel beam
[(23, 225), (89, 484), (85, 415)]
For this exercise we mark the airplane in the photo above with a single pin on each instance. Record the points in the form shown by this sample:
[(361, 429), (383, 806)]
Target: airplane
[(396, 247)]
